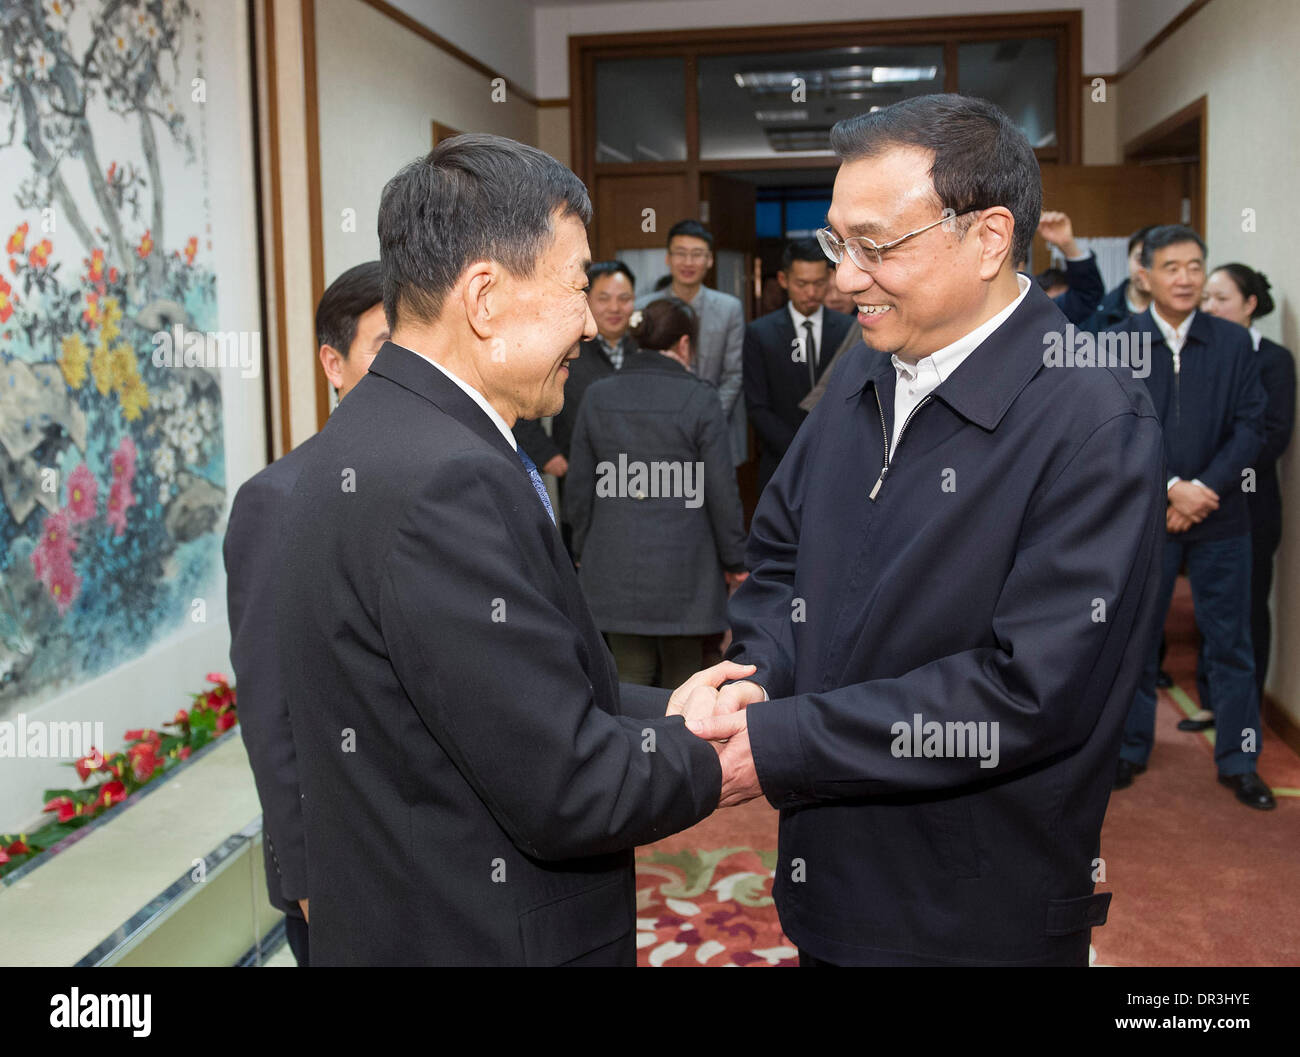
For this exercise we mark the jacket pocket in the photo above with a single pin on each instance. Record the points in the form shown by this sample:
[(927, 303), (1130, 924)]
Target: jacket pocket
[(569, 927), (952, 829), (1065, 916)]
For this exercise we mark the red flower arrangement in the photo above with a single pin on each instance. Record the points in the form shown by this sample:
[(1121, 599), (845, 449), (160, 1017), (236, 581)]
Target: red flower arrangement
[(114, 778)]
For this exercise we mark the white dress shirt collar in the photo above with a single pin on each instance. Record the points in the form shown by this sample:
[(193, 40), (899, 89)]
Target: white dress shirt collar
[(477, 397), (1255, 337), (917, 381), (939, 365), (799, 318), (1174, 336)]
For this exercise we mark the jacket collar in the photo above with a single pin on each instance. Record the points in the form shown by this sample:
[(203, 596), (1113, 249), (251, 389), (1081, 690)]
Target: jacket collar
[(411, 371), (986, 384), (652, 360), (1201, 330)]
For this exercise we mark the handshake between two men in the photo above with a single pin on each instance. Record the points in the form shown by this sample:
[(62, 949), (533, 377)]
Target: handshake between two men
[(716, 713)]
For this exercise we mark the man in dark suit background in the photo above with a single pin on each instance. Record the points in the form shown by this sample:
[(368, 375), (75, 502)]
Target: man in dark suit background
[(612, 295), (952, 577), (787, 351), (350, 328), (1204, 382), (1131, 297), (474, 777)]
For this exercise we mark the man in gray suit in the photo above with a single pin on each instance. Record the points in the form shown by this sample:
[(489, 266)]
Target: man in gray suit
[(719, 348)]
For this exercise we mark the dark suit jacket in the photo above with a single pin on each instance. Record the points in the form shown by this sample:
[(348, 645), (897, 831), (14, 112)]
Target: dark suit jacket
[(253, 554), (775, 382), (1085, 292), (474, 780), (1113, 309), (1211, 412), (651, 565), (591, 366), (1277, 373), (966, 591)]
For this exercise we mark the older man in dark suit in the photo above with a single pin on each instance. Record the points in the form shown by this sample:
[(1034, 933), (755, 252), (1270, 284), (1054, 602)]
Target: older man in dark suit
[(786, 352), (952, 577), (350, 328), (474, 778)]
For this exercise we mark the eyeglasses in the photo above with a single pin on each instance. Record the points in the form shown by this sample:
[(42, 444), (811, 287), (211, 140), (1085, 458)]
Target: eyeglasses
[(865, 252), (688, 255)]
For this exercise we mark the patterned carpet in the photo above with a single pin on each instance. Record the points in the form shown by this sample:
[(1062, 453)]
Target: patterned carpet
[(1197, 878), (709, 908)]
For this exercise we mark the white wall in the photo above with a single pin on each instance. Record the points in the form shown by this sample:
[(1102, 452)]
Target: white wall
[(499, 33), (554, 24), (1140, 20), (1240, 54), (380, 89)]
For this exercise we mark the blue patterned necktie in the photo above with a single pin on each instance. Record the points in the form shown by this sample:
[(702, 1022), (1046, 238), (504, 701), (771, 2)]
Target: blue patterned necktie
[(539, 486)]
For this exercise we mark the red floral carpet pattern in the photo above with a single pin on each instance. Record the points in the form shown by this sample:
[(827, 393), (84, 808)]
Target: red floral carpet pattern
[(709, 908)]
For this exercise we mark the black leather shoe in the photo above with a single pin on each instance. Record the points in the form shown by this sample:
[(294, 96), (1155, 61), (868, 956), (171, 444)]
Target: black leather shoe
[(1250, 790), (1164, 680), (1203, 720), (1124, 772)]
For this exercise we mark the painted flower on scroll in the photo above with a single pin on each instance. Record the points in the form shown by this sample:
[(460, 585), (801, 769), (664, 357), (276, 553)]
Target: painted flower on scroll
[(18, 239), (39, 257), (101, 150), (83, 490), (95, 266), (120, 496)]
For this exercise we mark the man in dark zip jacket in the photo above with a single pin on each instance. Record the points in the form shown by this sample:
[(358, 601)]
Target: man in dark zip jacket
[(1204, 382), (952, 574), (1130, 297)]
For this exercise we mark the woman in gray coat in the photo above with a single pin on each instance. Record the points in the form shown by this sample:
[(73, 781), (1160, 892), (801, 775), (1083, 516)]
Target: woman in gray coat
[(658, 530)]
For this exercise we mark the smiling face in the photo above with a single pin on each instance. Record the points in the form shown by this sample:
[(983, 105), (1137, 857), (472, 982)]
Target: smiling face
[(1176, 278), (537, 324), (612, 300), (931, 289), (689, 259)]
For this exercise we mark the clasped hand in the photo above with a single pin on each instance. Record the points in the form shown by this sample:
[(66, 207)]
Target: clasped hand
[(718, 716)]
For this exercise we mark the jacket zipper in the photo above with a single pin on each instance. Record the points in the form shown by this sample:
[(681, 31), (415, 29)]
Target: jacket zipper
[(1178, 402), (885, 431)]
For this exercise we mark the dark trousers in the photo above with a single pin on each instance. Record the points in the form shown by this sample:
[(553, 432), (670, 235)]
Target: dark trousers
[(655, 660), (1264, 539), (1220, 574), (295, 931)]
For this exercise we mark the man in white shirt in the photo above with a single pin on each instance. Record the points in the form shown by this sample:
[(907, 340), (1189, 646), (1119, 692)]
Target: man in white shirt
[(787, 352)]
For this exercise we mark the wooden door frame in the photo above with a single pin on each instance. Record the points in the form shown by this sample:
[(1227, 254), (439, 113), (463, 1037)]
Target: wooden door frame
[(1195, 111)]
